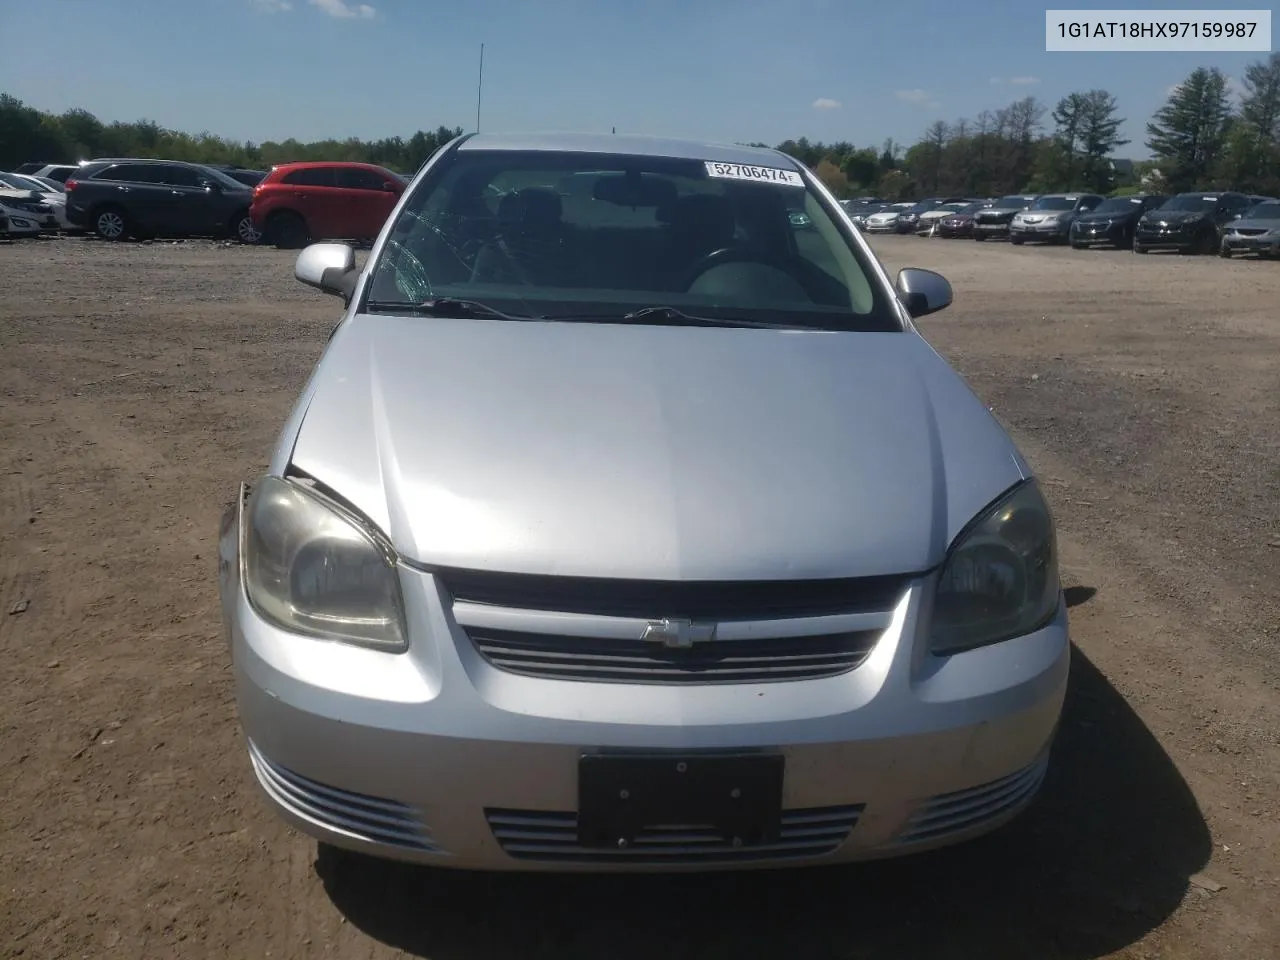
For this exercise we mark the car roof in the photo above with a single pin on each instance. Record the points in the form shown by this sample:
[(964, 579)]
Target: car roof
[(630, 144), (311, 164)]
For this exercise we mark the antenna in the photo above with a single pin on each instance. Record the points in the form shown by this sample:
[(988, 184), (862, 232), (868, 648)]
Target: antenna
[(479, 88)]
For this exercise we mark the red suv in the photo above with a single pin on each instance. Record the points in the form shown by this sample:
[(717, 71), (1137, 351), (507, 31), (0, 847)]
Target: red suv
[(300, 202)]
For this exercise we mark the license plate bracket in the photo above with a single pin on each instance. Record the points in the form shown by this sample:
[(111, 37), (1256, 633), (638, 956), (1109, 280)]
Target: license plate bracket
[(739, 796)]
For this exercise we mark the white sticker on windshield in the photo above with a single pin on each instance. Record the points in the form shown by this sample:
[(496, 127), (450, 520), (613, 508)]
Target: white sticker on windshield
[(740, 171)]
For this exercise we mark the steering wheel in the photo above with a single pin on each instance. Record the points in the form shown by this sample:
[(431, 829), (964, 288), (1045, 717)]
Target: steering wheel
[(793, 267)]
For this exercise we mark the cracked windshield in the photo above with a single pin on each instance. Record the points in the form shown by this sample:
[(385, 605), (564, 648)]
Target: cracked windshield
[(600, 235)]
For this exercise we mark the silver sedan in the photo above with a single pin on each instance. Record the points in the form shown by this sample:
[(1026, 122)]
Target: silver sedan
[(623, 526)]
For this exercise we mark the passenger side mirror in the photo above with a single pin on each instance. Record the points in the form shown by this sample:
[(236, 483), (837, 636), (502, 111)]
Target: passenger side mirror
[(329, 267), (923, 291)]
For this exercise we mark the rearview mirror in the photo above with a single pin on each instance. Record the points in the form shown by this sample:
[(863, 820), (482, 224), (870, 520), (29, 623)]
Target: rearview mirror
[(635, 191), (923, 291), (329, 267)]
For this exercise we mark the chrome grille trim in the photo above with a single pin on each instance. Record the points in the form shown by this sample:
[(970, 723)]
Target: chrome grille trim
[(604, 660), (656, 599), (597, 626), (553, 836), (952, 813), (357, 815)]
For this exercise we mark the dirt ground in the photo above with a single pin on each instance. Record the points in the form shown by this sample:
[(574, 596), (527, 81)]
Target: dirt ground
[(140, 382)]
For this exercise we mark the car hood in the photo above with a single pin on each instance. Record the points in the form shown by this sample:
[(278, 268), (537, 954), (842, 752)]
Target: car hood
[(886, 215), (1254, 224), (1095, 217), (1174, 216), (999, 211), (653, 452)]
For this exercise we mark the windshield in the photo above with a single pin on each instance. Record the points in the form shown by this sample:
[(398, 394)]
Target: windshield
[(1264, 211), (552, 234), (18, 182), (1055, 203), (953, 207), (1118, 205), (1008, 202), (1192, 202)]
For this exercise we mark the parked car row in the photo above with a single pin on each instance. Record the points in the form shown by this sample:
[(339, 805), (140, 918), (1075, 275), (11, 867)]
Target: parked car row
[(1226, 222), (121, 197)]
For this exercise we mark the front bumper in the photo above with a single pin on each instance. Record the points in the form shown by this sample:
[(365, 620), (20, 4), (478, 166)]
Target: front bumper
[(1038, 231), (998, 228), (437, 756), (1237, 243), (890, 227), (1089, 233)]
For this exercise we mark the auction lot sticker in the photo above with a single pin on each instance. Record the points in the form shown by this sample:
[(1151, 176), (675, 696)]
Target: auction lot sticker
[(740, 171)]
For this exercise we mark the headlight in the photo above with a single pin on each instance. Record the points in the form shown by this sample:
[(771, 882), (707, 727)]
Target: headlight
[(1000, 578), (312, 568)]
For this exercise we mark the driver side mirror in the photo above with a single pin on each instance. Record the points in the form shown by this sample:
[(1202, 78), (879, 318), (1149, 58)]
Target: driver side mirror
[(329, 267), (923, 291)]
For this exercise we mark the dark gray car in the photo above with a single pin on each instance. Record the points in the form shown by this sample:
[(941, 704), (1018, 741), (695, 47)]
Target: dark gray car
[(994, 221), (120, 198)]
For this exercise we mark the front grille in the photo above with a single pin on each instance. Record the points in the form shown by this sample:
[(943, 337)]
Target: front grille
[(547, 835), (1250, 231), (643, 661), (357, 815), (953, 813), (692, 599)]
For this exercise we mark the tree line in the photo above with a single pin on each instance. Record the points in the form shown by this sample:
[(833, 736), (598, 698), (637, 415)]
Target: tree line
[(1198, 140), (27, 134)]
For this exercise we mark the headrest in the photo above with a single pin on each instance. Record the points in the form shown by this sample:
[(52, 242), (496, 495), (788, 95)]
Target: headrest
[(704, 214), (532, 206)]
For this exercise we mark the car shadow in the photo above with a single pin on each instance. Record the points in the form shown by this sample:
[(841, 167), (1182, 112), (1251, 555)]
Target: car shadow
[(1078, 595), (1099, 860)]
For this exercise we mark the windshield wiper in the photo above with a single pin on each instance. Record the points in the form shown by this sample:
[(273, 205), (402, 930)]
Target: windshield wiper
[(443, 307), (672, 315)]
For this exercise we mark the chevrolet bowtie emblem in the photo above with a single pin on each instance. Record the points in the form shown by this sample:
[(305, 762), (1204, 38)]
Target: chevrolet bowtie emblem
[(678, 634)]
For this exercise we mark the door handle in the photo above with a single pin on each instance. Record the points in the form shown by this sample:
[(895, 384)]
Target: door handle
[(123, 189), (176, 193), (299, 194)]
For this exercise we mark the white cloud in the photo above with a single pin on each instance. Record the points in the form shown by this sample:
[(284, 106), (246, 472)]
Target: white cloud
[(273, 6), (913, 96), (1024, 81), (826, 103), (344, 11)]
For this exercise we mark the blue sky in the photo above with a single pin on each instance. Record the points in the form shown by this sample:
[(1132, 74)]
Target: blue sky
[(715, 69)]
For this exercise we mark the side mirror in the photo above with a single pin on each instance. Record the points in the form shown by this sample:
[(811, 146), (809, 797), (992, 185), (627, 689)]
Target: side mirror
[(390, 187), (211, 185), (329, 267), (923, 291)]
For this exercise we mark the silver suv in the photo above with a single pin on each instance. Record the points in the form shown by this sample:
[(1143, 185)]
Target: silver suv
[(1050, 217), (622, 526)]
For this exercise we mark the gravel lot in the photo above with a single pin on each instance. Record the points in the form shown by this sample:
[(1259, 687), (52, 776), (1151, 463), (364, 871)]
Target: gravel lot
[(140, 382)]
